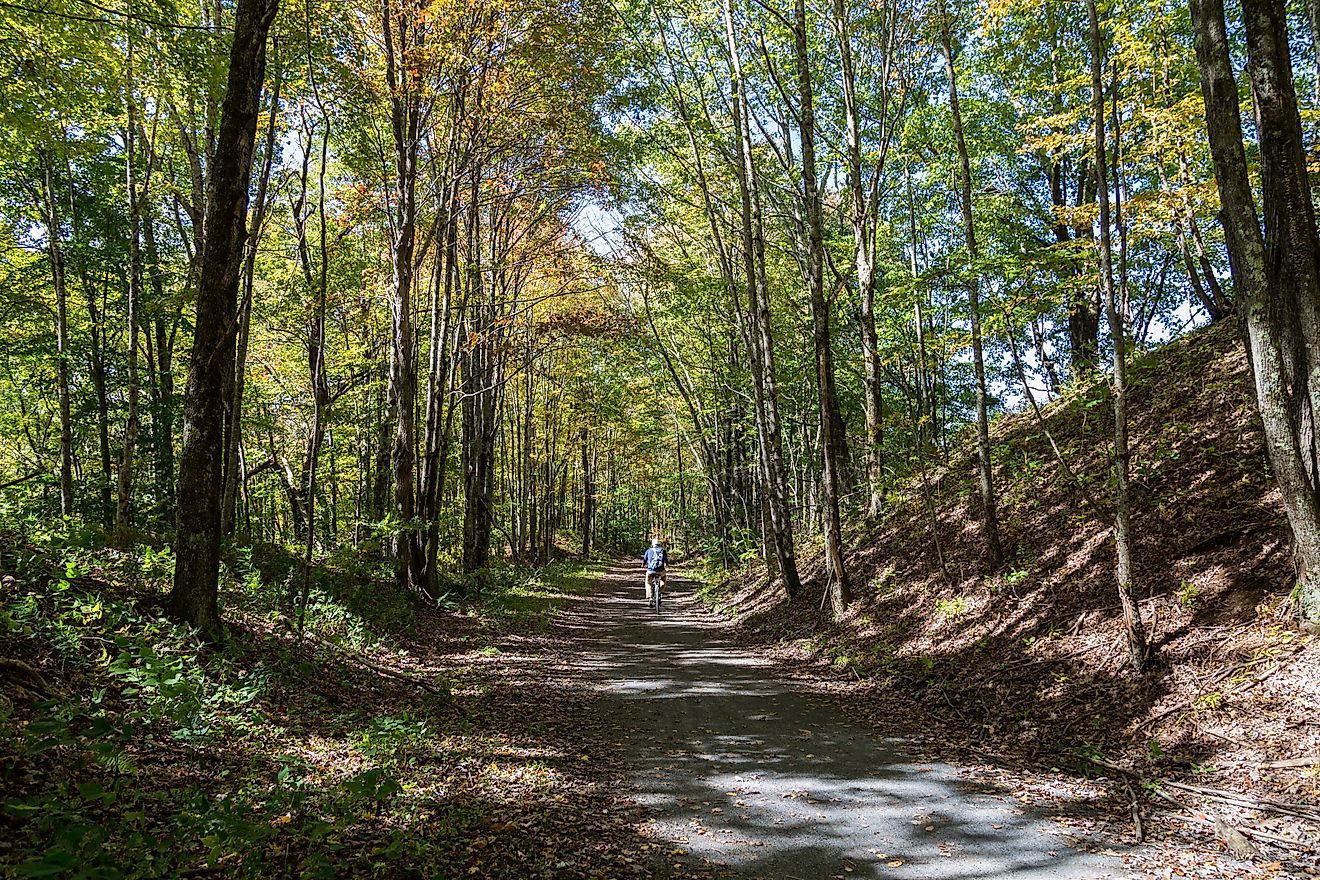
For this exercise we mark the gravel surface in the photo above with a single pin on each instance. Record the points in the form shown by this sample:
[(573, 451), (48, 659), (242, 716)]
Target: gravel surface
[(744, 770)]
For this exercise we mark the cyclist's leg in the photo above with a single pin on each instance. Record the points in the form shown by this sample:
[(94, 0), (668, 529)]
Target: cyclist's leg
[(646, 589)]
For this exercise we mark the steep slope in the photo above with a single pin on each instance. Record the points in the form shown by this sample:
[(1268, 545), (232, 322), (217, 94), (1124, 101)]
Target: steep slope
[(1030, 661)]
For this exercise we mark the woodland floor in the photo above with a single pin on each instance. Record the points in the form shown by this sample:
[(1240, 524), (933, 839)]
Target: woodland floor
[(559, 729)]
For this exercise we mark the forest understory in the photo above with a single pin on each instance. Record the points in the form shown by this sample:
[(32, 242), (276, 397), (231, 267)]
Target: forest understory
[(1025, 668), (391, 740), (395, 739)]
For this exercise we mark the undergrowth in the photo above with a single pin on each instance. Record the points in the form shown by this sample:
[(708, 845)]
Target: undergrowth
[(128, 748)]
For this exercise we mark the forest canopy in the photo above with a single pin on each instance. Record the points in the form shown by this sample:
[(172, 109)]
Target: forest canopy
[(450, 283)]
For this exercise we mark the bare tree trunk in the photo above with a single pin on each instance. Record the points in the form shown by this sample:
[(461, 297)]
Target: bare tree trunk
[(760, 344), (233, 470), (989, 501), (55, 251), (820, 319), (1258, 301), (1136, 632), (862, 217), (97, 369), (588, 524), (317, 278), (195, 596), (124, 509), (162, 417), (1292, 249), (405, 124)]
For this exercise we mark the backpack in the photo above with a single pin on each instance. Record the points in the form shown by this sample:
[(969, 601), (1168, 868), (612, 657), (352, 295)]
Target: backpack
[(655, 559)]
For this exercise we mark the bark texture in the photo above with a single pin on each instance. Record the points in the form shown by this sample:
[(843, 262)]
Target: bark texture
[(194, 597), (1273, 272)]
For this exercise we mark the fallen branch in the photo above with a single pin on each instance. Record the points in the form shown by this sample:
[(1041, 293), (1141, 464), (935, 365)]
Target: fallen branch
[(1136, 816), (1290, 762), (1232, 837), (1232, 798), (36, 684), (1300, 811), (1246, 830)]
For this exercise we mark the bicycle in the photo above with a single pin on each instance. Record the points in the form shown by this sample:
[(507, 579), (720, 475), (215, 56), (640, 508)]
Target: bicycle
[(656, 595)]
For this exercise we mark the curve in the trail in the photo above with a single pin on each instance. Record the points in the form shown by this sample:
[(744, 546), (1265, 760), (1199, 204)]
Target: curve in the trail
[(740, 769)]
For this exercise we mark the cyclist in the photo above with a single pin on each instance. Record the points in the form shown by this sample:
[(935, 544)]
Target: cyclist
[(655, 559)]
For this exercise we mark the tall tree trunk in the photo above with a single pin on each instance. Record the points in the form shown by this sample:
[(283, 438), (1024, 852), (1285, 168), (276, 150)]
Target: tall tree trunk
[(195, 596), (1136, 631), (318, 280), (1292, 279), (97, 369), (405, 125), (1256, 297), (989, 501), (162, 417), (124, 509), (820, 320), (234, 478), (862, 217), (55, 251), (760, 343)]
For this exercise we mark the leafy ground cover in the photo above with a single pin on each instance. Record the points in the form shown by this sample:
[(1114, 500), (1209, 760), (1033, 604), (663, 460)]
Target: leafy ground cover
[(394, 739), (1026, 667)]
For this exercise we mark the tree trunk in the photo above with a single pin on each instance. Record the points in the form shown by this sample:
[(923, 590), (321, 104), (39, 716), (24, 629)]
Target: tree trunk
[(760, 343), (1258, 301), (862, 217), (820, 320), (588, 524), (55, 251), (989, 502), (162, 417), (233, 470), (1136, 633), (1292, 267), (124, 509), (97, 369), (405, 125), (194, 597)]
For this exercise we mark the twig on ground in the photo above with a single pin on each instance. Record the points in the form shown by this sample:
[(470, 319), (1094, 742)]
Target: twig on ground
[(1249, 832), (1136, 815)]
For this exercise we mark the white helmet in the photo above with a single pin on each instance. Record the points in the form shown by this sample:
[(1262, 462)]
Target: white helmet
[(655, 542)]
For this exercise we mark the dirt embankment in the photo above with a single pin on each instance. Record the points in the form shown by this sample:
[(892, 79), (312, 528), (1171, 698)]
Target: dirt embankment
[(1030, 661)]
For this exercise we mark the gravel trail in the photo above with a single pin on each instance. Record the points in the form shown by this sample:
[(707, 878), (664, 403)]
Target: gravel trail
[(740, 768)]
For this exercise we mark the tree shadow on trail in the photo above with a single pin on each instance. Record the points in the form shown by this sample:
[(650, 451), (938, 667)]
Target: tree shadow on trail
[(745, 771)]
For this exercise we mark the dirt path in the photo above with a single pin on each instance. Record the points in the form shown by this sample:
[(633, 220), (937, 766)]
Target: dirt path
[(740, 769)]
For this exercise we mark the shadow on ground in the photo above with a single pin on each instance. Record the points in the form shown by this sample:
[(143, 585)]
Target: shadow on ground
[(743, 770)]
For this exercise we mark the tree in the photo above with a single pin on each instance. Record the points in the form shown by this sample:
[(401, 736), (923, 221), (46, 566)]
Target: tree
[(1136, 632), (830, 420), (985, 467), (194, 597), (1274, 273)]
